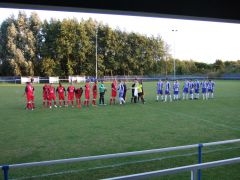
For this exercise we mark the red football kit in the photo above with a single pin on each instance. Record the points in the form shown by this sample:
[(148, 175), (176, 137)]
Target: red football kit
[(29, 91), (114, 92), (45, 92), (78, 93), (71, 90), (51, 94), (61, 90), (114, 89), (94, 90), (87, 91)]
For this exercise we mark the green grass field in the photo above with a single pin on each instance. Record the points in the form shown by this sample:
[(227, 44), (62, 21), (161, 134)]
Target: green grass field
[(48, 134)]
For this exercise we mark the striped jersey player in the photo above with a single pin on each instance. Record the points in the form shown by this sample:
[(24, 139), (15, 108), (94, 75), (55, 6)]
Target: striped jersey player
[(204, 85), (167, 91), (196, 89), (211, 85), (160, 89), (191, 89), (176, 86), (185, 89)]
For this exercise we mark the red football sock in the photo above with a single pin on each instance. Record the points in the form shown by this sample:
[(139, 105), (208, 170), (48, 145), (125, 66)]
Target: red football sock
[(29, 105), (80, 103)]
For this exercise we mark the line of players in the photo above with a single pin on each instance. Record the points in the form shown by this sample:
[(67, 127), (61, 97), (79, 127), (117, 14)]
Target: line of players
[(49, 92), (191, 88)]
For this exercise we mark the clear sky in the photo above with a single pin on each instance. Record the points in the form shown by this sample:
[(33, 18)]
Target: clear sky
[(202, 41)]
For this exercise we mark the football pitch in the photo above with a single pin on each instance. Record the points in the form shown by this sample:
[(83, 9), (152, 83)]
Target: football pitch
[(59, 133)]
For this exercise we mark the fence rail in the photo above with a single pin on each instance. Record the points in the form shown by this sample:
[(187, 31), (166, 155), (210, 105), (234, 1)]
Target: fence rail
[(17, 80), (6, 168), (193, 168)]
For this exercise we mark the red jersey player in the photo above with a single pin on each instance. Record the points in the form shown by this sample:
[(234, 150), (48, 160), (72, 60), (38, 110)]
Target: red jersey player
[(71, 90), (51, 96), (61, 94), (29, 92), (45, 94), (114, 92), (87, 93), (78, 95), (94, 91)]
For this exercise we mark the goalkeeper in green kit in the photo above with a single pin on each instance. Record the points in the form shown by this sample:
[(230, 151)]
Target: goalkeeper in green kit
[(102, 90)]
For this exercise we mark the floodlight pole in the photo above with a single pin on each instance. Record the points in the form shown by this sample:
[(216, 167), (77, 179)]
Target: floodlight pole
[(96, 52), (174, 54)]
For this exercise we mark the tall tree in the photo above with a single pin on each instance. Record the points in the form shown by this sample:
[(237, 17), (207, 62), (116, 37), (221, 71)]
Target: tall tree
[(48, 45), (35, 26), (218, 65)]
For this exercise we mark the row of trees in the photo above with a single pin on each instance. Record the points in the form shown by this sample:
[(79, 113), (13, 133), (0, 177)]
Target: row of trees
[(29, 46)]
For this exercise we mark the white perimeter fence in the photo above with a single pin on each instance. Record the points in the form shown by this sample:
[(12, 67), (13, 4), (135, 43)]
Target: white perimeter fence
[(78, 79)]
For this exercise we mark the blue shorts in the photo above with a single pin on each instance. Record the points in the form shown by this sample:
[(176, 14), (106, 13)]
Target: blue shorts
[(196, 90), (191, 91), (185, 90), (210, 90), (120, 94), (204, 90), (167, 92), (176, 92), (159, 92)]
